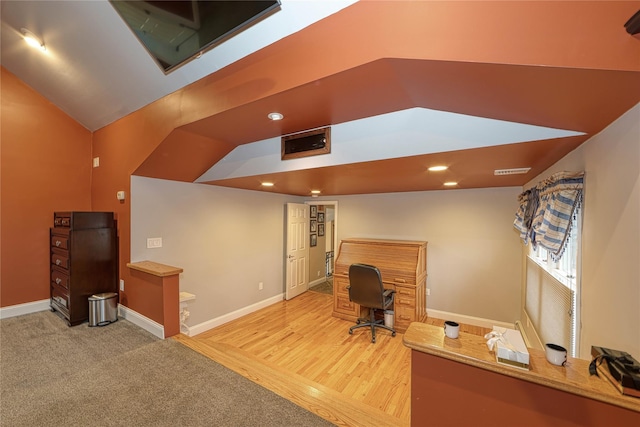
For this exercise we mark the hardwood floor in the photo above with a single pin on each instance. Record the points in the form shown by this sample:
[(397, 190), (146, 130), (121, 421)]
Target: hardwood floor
[(299, 351)]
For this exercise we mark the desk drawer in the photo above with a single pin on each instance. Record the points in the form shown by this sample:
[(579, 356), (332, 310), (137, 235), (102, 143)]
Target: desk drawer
[(405, 297), (404, 314), (343, 305), (405, 292), (409, 303), (340, 286)]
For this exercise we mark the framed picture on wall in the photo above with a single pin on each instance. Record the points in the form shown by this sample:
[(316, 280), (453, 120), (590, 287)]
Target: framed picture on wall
[(320, 229), (314, 240), (314, 211), (320, 217), (314, 226)]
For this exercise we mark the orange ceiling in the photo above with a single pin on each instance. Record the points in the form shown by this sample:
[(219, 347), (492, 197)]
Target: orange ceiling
[(526, 62)]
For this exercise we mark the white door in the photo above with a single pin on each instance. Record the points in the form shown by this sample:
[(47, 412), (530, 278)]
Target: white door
[(297, 257)]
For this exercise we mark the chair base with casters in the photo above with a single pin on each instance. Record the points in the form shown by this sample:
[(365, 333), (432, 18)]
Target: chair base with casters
[(373, 323), (366, 289)]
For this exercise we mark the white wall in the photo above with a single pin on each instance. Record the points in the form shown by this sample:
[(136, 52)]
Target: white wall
[(610, 300), (226, 240), (473, 256)]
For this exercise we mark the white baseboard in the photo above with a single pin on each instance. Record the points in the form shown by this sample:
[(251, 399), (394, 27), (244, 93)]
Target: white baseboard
[(468, 320), (139, 320), (210, 324), (317, 281), (26, 308)]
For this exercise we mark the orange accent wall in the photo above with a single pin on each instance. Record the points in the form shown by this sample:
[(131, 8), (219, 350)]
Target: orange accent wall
[(46, 156), (45, 167), (449, 393)]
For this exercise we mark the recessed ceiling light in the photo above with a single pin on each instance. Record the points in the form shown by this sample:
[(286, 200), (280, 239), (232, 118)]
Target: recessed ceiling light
[(267, 184), (32, 40), (438, 168), (451, 184), (315, 191), (275, 116)]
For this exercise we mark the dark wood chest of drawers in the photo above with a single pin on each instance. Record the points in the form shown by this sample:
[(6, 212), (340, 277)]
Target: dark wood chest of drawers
[(84, 261)]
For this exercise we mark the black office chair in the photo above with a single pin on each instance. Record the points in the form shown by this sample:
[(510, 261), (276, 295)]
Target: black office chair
[(365, 288)]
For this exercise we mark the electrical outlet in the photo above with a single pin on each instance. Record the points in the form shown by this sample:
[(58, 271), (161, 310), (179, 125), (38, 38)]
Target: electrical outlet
[(428, 291), (96, 162), (260, 286), (121, 284), (318, 273), (154, 242)]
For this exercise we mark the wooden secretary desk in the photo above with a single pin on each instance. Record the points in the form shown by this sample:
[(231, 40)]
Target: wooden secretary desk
[(403, 267)]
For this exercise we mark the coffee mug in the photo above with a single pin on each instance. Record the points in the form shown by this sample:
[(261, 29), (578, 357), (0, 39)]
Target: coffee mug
[(451, 329), (556, 354)]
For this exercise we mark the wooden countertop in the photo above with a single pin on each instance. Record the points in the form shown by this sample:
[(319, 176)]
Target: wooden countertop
[(472, 350), (154, 268)]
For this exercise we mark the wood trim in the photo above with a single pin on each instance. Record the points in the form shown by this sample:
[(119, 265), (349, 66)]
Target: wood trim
[(154, 268), (472, 350)]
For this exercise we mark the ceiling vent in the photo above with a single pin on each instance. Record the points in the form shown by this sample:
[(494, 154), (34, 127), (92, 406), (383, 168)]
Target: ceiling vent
[(514, 171), (305, 144)]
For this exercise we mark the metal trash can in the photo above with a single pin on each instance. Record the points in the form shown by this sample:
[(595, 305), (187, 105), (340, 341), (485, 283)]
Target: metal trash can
[(388, 318), (103, 309)]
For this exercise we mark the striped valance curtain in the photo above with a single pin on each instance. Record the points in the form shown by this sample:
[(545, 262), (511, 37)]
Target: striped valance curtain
[(546, 211)]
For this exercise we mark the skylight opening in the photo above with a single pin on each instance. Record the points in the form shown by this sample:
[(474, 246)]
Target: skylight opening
[(175, 32)]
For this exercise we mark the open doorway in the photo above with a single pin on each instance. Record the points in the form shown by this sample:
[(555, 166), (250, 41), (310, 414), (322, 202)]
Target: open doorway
[(323, 246)]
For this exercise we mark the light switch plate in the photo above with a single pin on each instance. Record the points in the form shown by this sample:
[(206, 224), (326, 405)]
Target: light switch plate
[(154, 242)]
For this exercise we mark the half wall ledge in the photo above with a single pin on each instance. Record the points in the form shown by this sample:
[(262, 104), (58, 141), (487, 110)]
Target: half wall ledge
[(168, 278)]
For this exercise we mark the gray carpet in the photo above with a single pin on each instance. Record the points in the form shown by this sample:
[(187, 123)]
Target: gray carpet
[(323, 288), (120, 375)]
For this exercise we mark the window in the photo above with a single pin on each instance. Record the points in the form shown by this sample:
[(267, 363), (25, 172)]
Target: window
[(552, 292)]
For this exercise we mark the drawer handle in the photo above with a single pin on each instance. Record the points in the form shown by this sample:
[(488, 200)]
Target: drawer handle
[(346, 305), (58, 242), (58, 280), (404, 292), (404, 317), (58, 262), (400, 280), (404, 301)]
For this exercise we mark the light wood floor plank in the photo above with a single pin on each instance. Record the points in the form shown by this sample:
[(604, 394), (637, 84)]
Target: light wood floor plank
[(298, 350)]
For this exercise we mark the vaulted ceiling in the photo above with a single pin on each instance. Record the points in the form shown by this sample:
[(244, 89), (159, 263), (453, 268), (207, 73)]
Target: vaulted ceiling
[(476, 86)]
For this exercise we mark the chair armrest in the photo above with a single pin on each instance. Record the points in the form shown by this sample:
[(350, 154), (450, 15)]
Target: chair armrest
[(388, 292)]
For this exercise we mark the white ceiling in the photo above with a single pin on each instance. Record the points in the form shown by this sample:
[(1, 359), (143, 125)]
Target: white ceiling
[(96, 70), (415, 131)]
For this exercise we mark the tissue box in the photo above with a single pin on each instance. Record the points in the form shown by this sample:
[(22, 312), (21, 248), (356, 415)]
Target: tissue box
[(510, 349)]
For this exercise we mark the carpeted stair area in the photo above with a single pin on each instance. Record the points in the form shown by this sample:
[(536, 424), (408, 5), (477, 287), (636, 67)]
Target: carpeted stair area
[(120, 375)]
